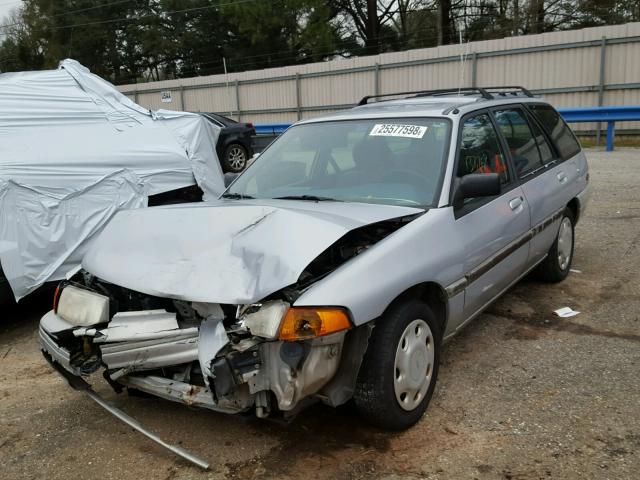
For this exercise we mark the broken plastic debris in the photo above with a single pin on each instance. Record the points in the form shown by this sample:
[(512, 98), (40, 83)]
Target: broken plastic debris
[(142, 325), (565, 312)]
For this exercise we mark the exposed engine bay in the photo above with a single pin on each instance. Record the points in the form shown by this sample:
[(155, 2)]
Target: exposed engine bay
[(269, 357)]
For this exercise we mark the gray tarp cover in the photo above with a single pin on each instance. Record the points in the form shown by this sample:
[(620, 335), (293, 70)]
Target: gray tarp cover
[(73, 151)]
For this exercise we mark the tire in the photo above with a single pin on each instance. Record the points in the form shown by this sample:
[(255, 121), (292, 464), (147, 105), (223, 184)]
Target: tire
[(235, 158), (379, 387), (557, 265)]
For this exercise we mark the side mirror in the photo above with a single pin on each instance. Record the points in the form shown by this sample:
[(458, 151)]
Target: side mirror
[(475, 185), (229, 178)]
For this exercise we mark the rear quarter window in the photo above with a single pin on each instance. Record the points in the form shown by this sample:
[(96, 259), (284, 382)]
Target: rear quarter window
[(557, 129)]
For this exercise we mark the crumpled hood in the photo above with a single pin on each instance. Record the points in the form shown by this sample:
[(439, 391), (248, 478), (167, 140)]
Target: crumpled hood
[(233, 252)]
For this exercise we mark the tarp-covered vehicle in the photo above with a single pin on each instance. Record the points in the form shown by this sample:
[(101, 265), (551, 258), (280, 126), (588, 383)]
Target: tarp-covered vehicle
[(335, 265), (74, 151)]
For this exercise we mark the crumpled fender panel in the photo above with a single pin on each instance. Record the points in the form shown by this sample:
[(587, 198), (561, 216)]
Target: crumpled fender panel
[(229, 252)]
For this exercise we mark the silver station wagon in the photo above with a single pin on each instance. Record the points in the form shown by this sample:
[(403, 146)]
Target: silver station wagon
[(334, 267)]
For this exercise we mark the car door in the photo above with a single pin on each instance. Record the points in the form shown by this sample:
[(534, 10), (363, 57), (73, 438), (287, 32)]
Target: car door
[(494, 229), (549, 189)]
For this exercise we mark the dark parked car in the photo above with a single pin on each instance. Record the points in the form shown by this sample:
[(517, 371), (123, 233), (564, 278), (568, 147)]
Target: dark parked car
[(234, 145)]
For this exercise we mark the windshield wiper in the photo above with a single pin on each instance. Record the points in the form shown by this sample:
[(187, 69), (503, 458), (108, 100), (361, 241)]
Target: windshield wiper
[(236, 196), (311, 198)]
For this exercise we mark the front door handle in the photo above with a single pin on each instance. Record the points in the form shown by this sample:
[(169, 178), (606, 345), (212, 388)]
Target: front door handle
[(562, 177), (515, 203)]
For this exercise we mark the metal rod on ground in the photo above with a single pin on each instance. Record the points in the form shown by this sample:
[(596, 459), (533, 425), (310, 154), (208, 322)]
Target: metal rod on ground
[(133, 423)]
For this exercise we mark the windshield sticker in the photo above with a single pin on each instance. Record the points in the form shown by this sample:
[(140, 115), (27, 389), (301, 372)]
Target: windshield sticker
[(397, 130)]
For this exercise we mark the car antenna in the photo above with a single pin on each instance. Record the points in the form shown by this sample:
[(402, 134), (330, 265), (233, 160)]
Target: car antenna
[(463, 60)]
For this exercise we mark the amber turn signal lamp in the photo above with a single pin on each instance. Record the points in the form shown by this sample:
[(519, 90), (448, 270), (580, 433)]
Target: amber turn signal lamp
[(305, 323)]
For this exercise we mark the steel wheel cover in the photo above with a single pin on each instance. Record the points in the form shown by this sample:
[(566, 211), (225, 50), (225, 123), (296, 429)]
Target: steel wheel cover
[(565, 243), (413, 367)]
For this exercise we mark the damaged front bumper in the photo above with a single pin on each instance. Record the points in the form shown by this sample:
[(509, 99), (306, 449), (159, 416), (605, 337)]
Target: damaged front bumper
[(56, 353), (220, 368)]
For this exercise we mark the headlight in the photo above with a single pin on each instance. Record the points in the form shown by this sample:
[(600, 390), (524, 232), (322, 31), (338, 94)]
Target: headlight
[(265, 322), (81, 307)]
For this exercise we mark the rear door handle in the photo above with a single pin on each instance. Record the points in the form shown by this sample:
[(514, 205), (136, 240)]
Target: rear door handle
[(515, 203), (562, 177)]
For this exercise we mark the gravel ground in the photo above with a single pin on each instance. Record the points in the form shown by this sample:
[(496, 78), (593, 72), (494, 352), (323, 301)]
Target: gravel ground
[(522, 394)]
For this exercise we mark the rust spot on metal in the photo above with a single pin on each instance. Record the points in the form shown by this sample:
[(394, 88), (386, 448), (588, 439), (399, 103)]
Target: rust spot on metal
[(189, 398)]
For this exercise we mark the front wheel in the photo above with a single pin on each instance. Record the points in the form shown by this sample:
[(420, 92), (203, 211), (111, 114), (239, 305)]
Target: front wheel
[(556, 266), (399, 370)]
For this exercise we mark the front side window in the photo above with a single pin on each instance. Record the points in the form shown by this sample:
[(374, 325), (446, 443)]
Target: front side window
[(557, 129), (397, 161), (522, 146), (480, 150)]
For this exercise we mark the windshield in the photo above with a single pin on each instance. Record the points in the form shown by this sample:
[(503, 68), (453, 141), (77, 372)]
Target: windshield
[(393, 161)]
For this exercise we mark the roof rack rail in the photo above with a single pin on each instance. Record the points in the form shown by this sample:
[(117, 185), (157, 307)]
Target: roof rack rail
[(488, 93), (427, 93), (505, 91)]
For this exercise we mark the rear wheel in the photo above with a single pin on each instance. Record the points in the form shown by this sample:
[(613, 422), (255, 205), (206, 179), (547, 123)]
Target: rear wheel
[(556, 266), (399, 370), (235, 158)]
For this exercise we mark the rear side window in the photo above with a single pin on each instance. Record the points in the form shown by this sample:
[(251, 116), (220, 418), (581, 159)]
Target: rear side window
[(522, 145), (543, 146), (480, 150), (557, 129)]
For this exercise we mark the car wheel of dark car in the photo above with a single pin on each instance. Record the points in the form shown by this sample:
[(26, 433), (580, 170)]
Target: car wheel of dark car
[(556, 266), (235, 158), (399, 370)]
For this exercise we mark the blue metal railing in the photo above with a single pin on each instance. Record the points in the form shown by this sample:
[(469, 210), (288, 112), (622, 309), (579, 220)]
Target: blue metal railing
[(609, 115), (271, 128)]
